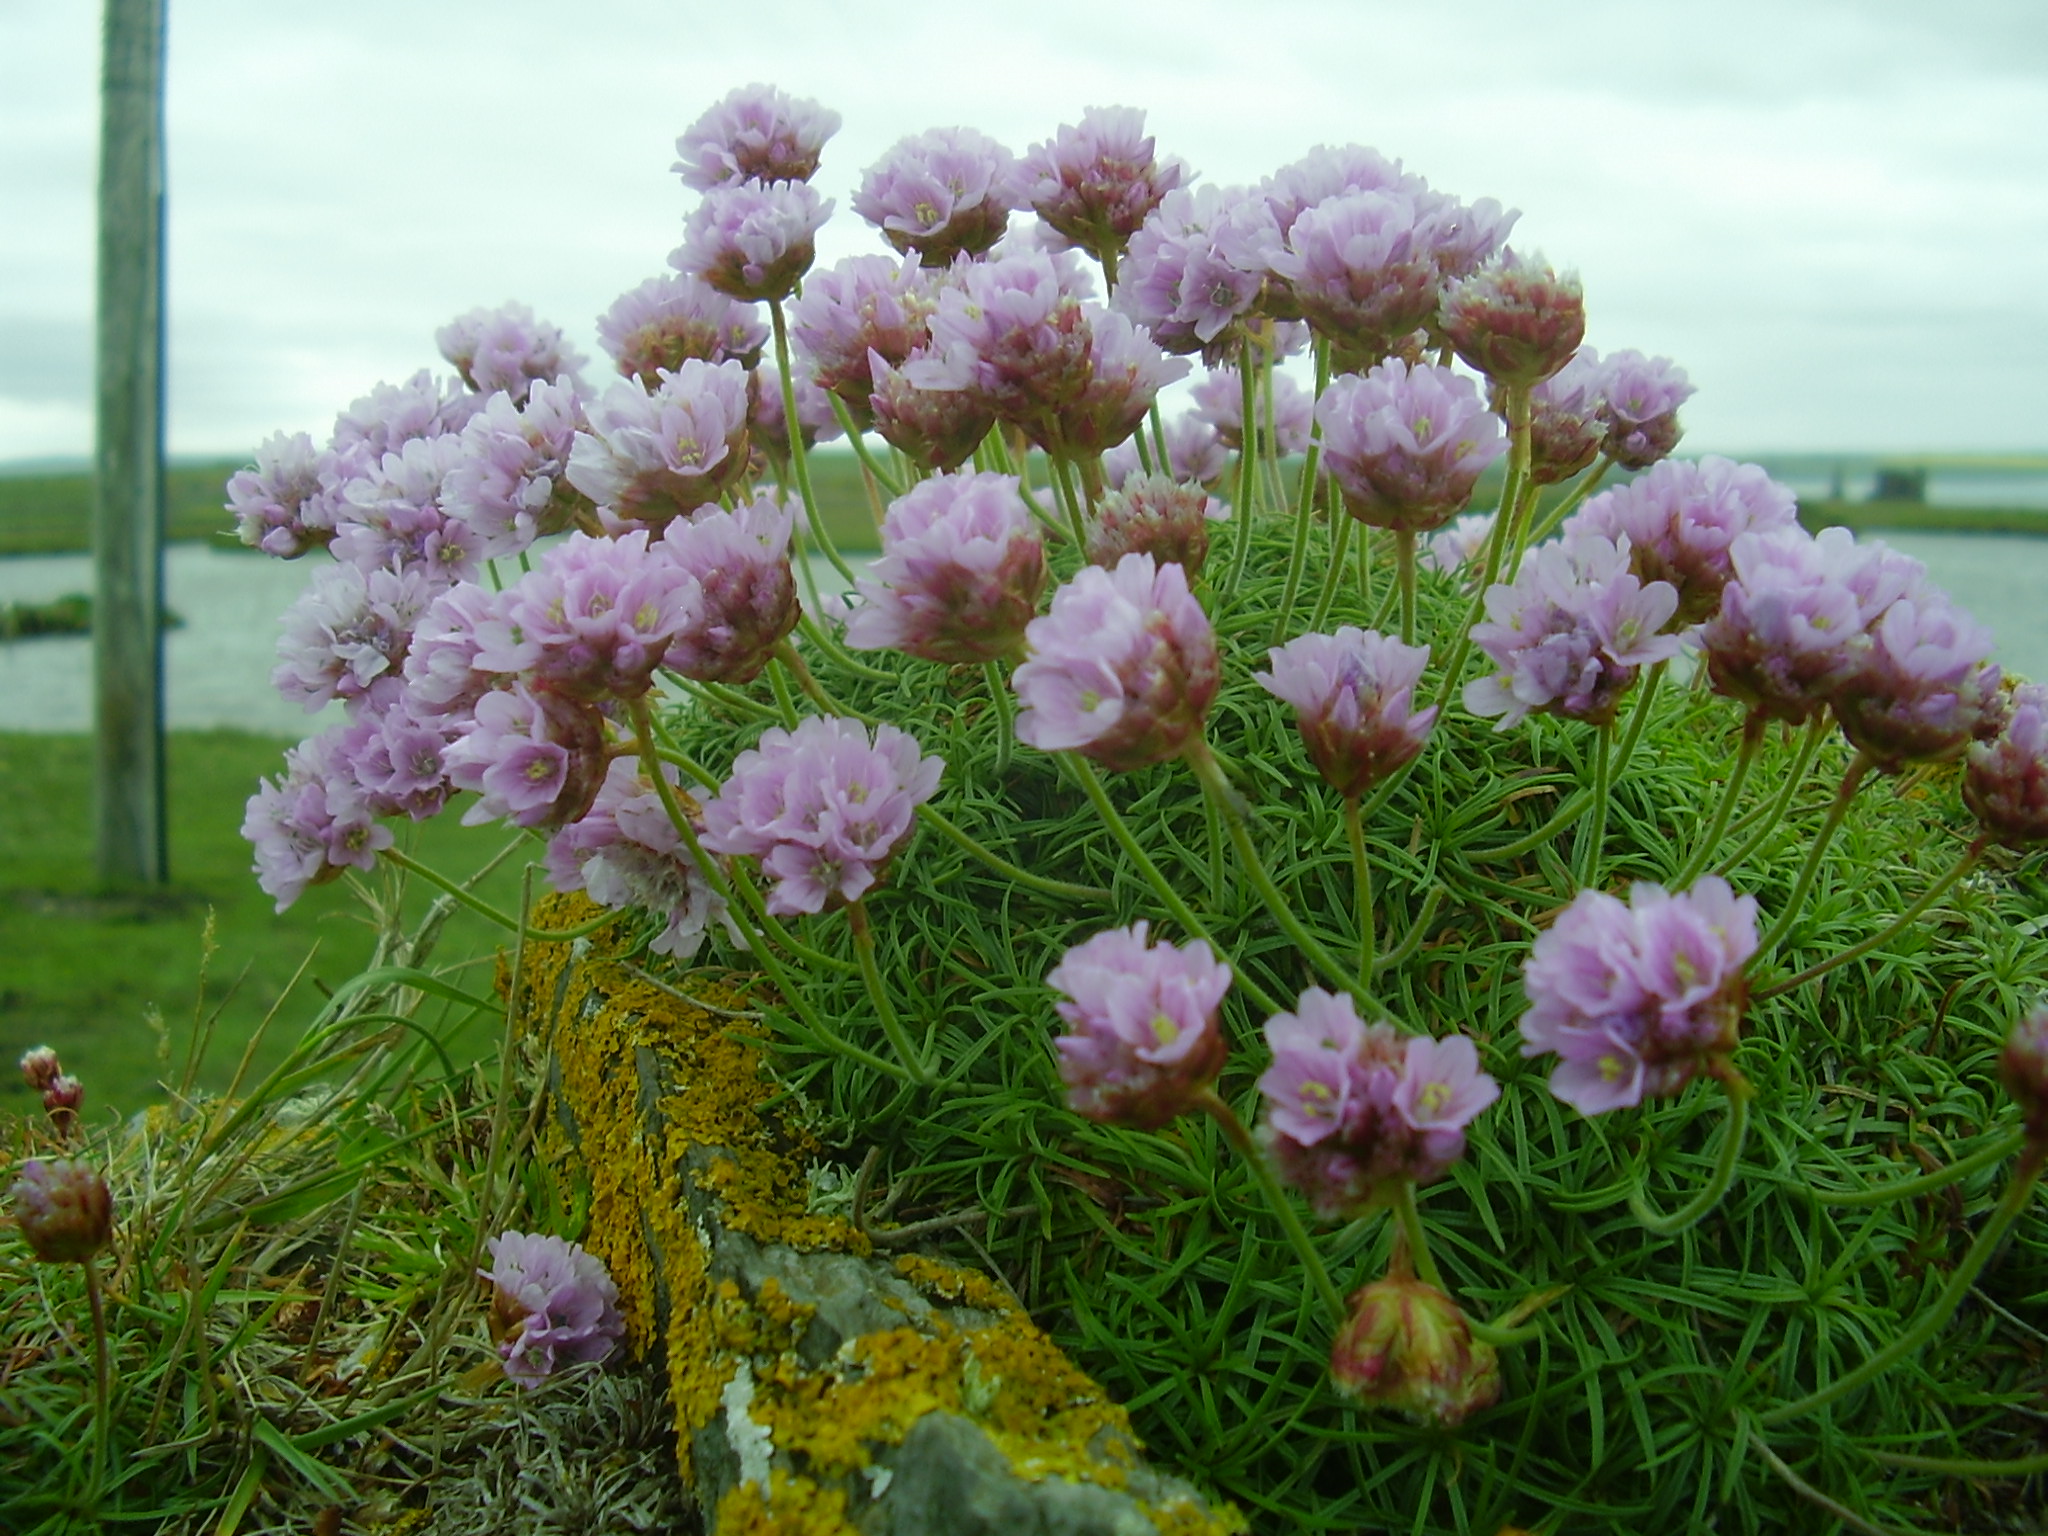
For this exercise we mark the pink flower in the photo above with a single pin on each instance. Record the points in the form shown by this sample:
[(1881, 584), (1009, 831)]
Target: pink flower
[(938, 428), (535, 758), (751, 239), (1363, 268), (746, 598), (63, 1209), (755, 132), (1515, 320), (1219, 400), (507, 349), (1152, 515), (2006, 782), (863, 308), (650, 455), (627, 853), (1353, 1108), (553, 1304), (511, 483), (1354, 695), (286, 505), (959, 575), (593, 619), (1407, 445), (1640, 397), (1122, 670), (1096, 183), (1926, 686), (941, 193), (823, 807), (668, 320), (1637, 998), (1144, 1035)]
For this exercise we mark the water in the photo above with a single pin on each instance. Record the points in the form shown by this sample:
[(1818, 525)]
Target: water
[(217, 668)]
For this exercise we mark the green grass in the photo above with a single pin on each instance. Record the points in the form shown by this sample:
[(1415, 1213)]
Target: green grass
[(1920, 517), (86, 971)]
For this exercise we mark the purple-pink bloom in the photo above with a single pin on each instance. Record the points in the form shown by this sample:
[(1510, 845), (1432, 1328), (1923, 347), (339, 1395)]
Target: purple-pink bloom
[(392, 415), (745, 593), (1324, 173), (1640, 397), (1197, 269), (1406, 445), (309, 825), (754, 133), (1363, 271), (1096, 183), (508, 349), (2023, 1064), (1354, 701), (1681, 519), (511, 483), (1570, 634), (552, 1304), (1152, 515), (347, 630), (1565, 422), (941, 193), (1636, 999), (753, 240), (535, 758), (1925, 688), (1515, 320), (1219, 399), (1194, 453), (1144, 1038), (393, 514), (959, 575), (1126, 371), (286, 505), (823, 807), (1449, 548), (666, 321), (863, 308), (626, 852), (442, 676), (1011, 330), (652, 455), (593, 619), (936, 428), (1122, 670), (2006, 782), (1353, 1110), (63, 1209), (1791, 627)]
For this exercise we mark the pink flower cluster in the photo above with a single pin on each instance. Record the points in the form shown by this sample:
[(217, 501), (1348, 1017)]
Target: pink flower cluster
[(1153, 515), (941, 194), (1095, 183), (1353, 1109), (1636, 998), (626, 853), (552, 1304), (1354, 701), (823, 807), (1407, 445), (1144, 1039), (2006, 782)]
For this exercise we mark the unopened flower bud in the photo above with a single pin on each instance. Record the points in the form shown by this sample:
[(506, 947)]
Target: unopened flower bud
[(64, 1209), (40, 1067), (2024, 1066), (2006, 784), (1152, 515), (1406, 1346), (1515, 320), (63, 1097)]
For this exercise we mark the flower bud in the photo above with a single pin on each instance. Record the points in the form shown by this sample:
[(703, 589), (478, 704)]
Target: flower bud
[(1152, 515), (64, 1209), (2006, 783), (62, 1099), (40, 1067), (2024, 1066), (1406, 1346), (1515, 320)]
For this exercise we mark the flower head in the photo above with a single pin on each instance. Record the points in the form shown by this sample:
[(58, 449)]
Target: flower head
[(941, 193), (1353, 1109), (626, 853), (511, 482), (1198, 267), (1122, 670), (1219, 400), (755, 133), (552, 1304), (535, 757), (2006, 782), (1096, 182), (651, 454), (863, 308), (746, 592), (40, 1067), (960, 572), (1363, 268), (1640, 397), (1925, 688), (1194, 453), (507, 349), (1353, 695), (1407, 445), (668, 320), (1515, 320), (823, 807), (1637, 998), (2024, 1066), (593, 619), (1407, 1346), (1571, 633), (64, 1210), (937, 428), (286, 505), (1152, 515), (1449, 548), (1144, 1035), (751, 239)]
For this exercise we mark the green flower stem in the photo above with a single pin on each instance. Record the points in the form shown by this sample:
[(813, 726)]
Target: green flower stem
[(793, 661), (1753, 726), (1005, 868), (1240, 1139), (1515, 398), (1732, 1133), (1304, 495), (1956, 871), (1852, 780), (1340, 535), (484, 909), (1816, 732), (837, 654), (1404, 578), (871, 973), (851, 428), (1638, 717), (1401, 952), (1927, 1183), (1247, 467), (1570, 504), (1070, 502), (1410, 1218), (2019, 1466), (1006, 729), (1569, 810), (1098, 796), (102, 1374), (2024, 1175), (1158, 433), (1361, 874), (1593, 830), (725, 698), (1227, 800), (785, 705), (798, 458)]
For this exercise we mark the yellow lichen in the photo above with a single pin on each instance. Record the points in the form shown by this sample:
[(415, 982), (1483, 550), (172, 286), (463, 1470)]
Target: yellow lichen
[(794, 1506), (949, 1282), (769, 1324)]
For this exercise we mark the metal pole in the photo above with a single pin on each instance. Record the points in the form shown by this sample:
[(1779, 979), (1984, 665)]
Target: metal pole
[(128, 488)]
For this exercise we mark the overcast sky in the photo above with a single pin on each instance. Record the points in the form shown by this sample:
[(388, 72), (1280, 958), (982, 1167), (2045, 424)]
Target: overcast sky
[(1833, 215)]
